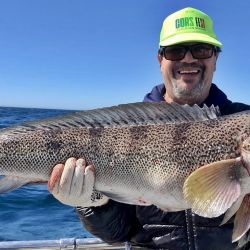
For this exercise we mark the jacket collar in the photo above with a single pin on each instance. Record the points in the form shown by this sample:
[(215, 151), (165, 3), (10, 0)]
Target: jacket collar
[(215, 97)]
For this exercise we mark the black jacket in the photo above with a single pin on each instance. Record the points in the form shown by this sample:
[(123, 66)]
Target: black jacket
[(149, 226)]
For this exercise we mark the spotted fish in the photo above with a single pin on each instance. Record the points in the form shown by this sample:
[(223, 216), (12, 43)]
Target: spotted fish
[(175, 157)]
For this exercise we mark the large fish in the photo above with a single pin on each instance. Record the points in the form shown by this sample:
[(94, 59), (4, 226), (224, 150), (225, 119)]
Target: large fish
[(175, 157)]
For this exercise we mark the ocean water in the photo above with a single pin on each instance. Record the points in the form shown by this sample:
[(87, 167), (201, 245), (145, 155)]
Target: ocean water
[(31, 212)]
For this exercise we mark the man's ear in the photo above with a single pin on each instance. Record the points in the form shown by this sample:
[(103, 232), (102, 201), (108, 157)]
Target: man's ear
[(159, 58)]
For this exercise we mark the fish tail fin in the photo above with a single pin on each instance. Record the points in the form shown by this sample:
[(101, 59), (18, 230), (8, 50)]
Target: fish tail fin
[(213, 188), (242, 219)]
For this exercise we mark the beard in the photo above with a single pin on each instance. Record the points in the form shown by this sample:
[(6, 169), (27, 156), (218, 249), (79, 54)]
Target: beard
[(194, 94), (189, 94)]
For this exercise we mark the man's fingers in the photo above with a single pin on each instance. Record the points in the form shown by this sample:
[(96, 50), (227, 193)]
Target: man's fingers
[(55, 177), (89, 181), (78, 178), (66, 178), (73, 184)]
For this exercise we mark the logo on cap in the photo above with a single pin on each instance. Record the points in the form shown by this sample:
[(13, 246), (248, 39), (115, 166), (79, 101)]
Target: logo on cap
[(190, 22)]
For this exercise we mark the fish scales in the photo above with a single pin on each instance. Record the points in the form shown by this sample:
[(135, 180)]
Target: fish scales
[(140, 151), (136, 159), (164, 154), (175, 157)]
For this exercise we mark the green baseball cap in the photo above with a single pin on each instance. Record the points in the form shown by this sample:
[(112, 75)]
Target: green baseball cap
[(188, 25)]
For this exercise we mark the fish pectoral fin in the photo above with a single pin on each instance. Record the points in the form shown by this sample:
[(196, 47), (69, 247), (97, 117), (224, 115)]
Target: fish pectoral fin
[(10, 183), (232, 210), (242, 219), (213, 188)]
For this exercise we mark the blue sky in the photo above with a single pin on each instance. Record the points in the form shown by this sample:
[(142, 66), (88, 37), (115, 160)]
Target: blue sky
[(83, 54)]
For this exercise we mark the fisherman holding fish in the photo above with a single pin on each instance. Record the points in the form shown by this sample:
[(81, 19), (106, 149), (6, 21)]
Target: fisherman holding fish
[(176, 156), (187, 55)]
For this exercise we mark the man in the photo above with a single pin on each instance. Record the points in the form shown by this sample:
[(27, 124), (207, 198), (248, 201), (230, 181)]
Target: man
[(188, 53)]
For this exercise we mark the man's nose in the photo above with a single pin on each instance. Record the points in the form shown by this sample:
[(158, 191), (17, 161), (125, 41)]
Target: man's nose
[(188, 58)]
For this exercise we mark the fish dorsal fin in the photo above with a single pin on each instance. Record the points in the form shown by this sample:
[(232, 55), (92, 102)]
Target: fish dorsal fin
[(125, 115)]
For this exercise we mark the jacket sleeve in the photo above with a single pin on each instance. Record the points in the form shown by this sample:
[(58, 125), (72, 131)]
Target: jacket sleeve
[(113, 222)]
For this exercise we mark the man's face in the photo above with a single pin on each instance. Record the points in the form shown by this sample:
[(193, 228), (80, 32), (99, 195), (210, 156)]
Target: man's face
[(188, 80)]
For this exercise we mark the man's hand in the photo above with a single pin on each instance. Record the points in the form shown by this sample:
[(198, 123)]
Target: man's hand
[(73, 184)]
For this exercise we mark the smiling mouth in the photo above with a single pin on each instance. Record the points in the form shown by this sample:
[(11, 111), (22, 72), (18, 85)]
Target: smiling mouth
[(185, 72)]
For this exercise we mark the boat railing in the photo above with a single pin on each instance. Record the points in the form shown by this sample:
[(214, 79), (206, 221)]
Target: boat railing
[(67, 243)]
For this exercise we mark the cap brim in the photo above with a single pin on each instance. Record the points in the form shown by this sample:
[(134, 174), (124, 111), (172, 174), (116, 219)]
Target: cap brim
[(190, 37)]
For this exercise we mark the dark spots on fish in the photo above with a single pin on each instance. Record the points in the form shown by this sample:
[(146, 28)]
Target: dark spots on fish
[(77, 153), (53, 142), (54, 145), (180, 132), (139, 132), (96, 132), (113, 122), (110, 153), (125, 122), (95, 136), (212, 124)]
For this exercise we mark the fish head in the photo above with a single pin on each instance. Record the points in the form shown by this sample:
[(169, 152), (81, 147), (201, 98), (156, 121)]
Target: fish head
[(245, 153)]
